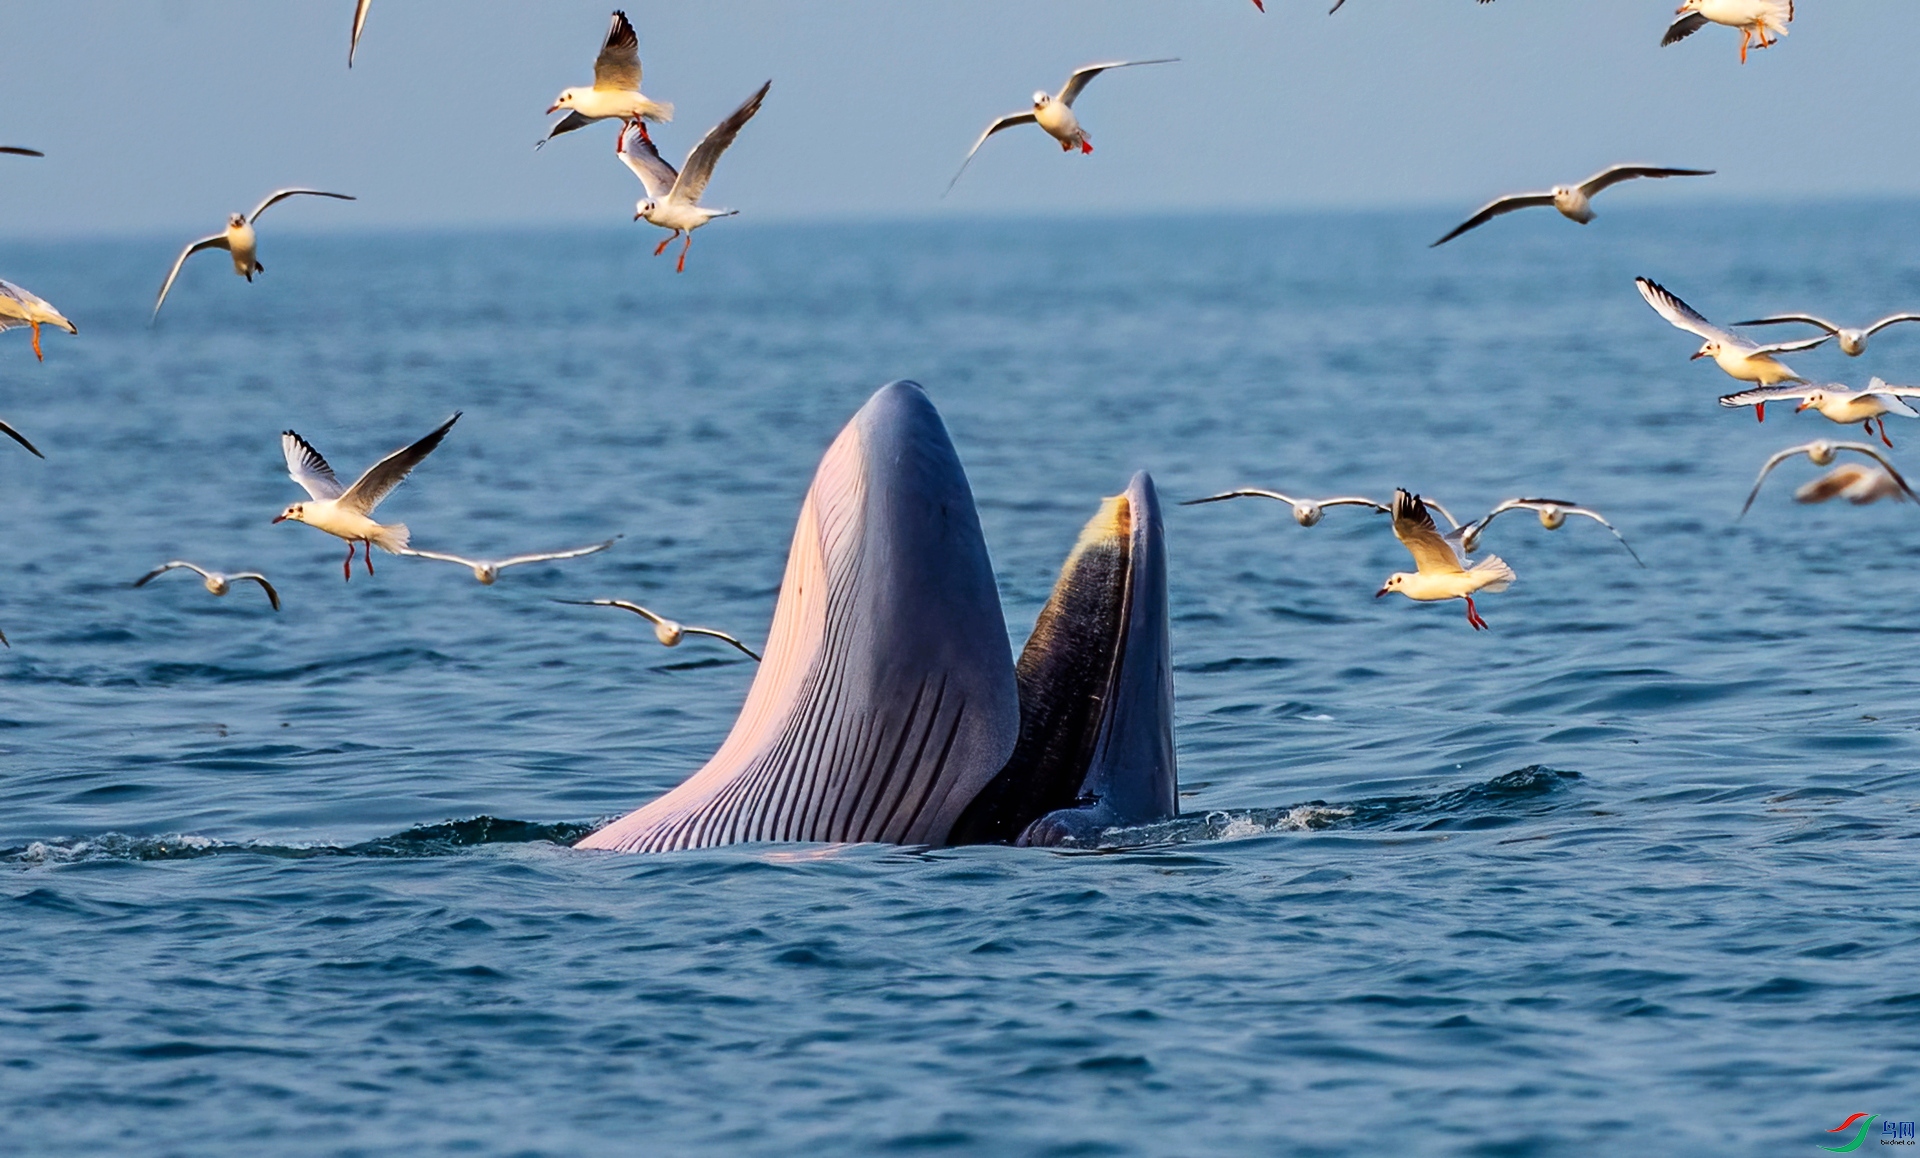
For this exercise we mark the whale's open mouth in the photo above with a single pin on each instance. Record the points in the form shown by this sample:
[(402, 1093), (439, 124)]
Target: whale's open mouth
[(888, 708)]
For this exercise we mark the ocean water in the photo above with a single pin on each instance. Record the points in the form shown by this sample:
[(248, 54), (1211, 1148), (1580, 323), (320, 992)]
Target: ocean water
[(1634, 872)]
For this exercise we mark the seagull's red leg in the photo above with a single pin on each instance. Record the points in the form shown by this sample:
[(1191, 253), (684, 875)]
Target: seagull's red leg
[(1883, 434), (681, 266), (1746, 38), (668, 240), (368, 543), (36, 341), (1760, 411), (1086, 146), (1473, 616), (346, 569)]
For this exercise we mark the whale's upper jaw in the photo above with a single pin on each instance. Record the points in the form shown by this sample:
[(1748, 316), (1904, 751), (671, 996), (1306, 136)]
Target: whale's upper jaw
[(886, 699), (1096, 693), (887, 707)]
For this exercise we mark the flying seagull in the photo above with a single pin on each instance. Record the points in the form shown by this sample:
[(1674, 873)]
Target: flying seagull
[(1575, 202), (1859, 485), (673, 197), (1754, 18), (488, 570), (1839, 404), (1440, 571), (665, 630), (215, 581), (1306, 512), (1853, 343), (238, 240), (615, 91), (1738, 357), (23, 307), (1055, 113), (1822, 453), (1553, 515), (347, 512)]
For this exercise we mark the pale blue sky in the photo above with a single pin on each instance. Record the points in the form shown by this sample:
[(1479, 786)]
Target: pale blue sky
[(163, 115)]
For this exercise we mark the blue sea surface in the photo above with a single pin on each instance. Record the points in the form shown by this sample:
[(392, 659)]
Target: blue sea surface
[(1634, 872)]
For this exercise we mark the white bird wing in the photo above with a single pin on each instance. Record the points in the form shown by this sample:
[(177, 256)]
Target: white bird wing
[(1679, 314), (566, 124), (20, 438), (1790, 347), (548, 556), (306, 467), (1879, 387), (1077, 80), (443, 557), (1413, 525), (638, 153), (698, 170), (1769, 394), (1682, 28), (1783, 319), (273, 596), (1892, 402), (359, 21), (163, 568), (624, 605), (617, 68), (380, 479), (708, 631), (1006, 122), (1243, 493), (1496, 208), (1613, 175), (1891, 319), (279, 195), (217, 241)]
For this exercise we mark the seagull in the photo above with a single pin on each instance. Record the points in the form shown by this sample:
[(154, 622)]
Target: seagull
[(1441, 573), (1575, 202), (1553, 515), (1752, 17), (1853, 343), (615, 91), (17, 151), (1857, 484), (1837, 403), (1821, 452), (665, 630), (216, 581), (1055, 113), (238, 240), (673, 198), (347, 511), (1306, 512), (20, 438), (1738, 357), (22, 307), (488, 570), (359, 22)]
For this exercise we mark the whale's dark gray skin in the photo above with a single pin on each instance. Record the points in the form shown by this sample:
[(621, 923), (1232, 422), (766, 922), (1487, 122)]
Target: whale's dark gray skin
[(888, 708)]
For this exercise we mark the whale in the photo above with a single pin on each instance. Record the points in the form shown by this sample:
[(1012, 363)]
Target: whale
[(888, 706)]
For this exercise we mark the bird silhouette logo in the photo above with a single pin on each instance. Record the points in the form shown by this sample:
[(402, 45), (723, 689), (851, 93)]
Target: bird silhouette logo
[(1858, 1139)]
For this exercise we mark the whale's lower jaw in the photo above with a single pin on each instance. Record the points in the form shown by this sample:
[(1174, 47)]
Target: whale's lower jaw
[(887, 707), (1096, 694)]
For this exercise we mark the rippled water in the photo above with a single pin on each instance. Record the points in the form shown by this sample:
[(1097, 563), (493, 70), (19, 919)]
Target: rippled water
[(1634, 872)]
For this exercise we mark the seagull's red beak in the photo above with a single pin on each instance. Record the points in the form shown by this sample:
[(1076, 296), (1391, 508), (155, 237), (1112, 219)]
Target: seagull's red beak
[(1801, 407), (1379, 593), (1696, 355), (279, 518), (552, 109)]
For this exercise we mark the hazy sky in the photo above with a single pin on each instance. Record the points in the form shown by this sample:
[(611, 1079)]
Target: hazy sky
[(166, 114)]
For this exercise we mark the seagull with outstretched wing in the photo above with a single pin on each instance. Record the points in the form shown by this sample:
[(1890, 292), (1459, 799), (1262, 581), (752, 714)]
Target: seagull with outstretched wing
[(1054, 113), (238, 240), (1575, 202), (665, 630), (347, 512), (673, 196)]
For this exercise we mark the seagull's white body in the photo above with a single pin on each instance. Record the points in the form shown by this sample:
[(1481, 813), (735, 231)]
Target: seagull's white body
[(1754, 18), (1441, 573), (23, 307), (238, 239), (1736, 357), (673, 195), (347, 512)]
